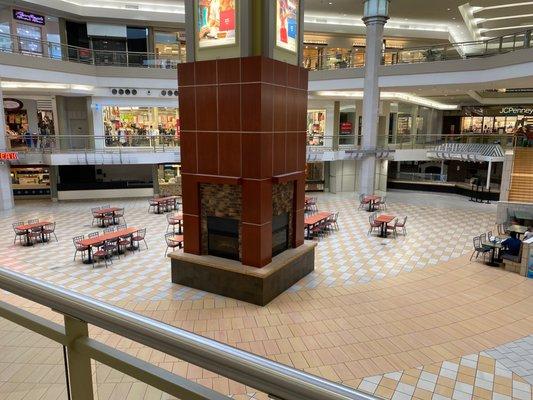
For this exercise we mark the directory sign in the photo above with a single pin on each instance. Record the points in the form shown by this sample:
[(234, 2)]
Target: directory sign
[(287, 12), (216, 24)]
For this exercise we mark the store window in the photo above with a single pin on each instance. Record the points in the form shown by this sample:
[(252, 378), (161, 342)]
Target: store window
[(30, 182), (141, 126), (28, 131), (315, 181), (5, 38), (170, 48), (316, 127), (30, 38), (312, 57)]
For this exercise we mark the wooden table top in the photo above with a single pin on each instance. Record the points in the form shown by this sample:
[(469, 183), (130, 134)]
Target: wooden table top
[(371, 198), (108, 236), (176, 238), (109, 210), (27, 227), (315, 218), (177, 217), (385, 219)]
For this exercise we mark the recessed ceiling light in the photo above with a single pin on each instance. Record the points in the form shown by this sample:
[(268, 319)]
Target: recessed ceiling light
[(448, 9), (454, 18)]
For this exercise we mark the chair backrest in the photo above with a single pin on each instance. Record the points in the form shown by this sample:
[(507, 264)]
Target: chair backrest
[(477, 242), (501, 229), (404, 219), (33, 221), (107, 206), (93, 234), (109, 230), (51, 226), (119, 213), (121, 227), (361, 197), (141, 233), (95, 208), (483, 238), (15, 224), (76, 239), (169, 239), (489, 234), (383, 199)]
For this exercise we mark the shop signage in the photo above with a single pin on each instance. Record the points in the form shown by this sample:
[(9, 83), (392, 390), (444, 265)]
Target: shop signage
[(517, 111), (12, 104), (8, 156), (346, 127), (20, 15)]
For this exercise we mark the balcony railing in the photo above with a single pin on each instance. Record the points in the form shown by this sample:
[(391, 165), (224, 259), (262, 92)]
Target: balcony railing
[(63, 52), (277, 380), (452, 51), (43, 144)]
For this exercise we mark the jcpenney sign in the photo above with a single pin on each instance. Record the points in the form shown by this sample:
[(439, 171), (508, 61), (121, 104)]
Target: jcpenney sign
[(20, 15), (517, 111)]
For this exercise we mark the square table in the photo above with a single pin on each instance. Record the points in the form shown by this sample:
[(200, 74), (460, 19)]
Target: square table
[(92, 242), (371, 201), (161, 200), (29, 227), (179, 219), (384, 219), (494, 247)]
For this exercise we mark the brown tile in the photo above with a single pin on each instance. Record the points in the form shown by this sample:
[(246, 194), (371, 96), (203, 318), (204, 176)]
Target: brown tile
[(383, 392), (279, 153), (230, 153), (229, 107), (206, 104), (257, 201), (292, 152), (186, 74), (206, 72), (302, 150), (229, 70), (191, 227), (251, 107), (280, 109), (304, 78), (256, 244), (267, 107), (187, 103), (266, 163), (251, 69), (207, 153), (293, 76), (251, 155), (280, 73), (301, 124), (188, 152), (293, 114), (191, 203), (267, 70)]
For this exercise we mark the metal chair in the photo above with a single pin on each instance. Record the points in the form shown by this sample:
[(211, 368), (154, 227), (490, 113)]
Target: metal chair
[(120, 214), (95, 214), (18, 232), (373, 223), (362, 203), (393, 227), (50, 230), (382, 204), (172, 221), (139, 237), (479, 248), (402, 225), (173, 241), (79, 247)]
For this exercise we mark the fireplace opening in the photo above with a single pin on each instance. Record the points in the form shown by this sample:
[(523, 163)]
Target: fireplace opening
[(223, 237), (280, 233)]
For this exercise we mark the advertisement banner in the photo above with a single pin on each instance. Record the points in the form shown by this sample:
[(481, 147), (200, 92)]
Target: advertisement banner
[(287, 12), (216, 23)]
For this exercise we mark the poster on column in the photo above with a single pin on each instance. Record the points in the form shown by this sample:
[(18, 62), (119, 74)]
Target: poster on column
[(287, 12), (216, 23)]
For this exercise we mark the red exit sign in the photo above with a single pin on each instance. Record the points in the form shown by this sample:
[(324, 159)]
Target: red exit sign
[(8, 155)]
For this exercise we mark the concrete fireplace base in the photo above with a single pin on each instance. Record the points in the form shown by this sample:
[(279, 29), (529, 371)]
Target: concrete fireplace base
[(232, 279)]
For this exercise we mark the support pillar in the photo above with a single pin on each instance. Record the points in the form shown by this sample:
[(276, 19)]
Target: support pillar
[(6, 192), (489, 171), (375, 17), (336, 124), (79, 365)]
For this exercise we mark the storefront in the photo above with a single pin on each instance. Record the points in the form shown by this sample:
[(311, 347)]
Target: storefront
[(31, 29), (316, 127), (141, 126), (29, 123), (170, 48), (498, 120), (169, 179), (30, 182)]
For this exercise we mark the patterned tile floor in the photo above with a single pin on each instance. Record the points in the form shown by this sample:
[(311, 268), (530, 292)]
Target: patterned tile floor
[(372, 307)]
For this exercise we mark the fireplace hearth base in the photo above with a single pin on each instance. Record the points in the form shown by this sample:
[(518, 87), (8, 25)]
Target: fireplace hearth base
[(232, 279)]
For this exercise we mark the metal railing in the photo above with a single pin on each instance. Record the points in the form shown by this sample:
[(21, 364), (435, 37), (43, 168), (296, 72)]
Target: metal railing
[(452, 51), (418, 176), (413, 55), (43, 144), (277, 380), (58, 51), (110, 143)]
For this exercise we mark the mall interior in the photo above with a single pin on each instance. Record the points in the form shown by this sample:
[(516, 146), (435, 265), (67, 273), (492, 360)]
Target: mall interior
[(266, 199)]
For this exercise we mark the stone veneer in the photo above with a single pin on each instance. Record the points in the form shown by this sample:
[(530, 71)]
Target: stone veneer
[(223, 201), (282, 201)]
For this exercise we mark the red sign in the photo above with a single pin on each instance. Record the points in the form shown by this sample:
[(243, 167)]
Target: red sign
[(346, 127), (227, 20), (6, 156)]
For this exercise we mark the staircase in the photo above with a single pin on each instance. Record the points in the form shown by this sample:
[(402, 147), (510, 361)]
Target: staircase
[(522, 176)]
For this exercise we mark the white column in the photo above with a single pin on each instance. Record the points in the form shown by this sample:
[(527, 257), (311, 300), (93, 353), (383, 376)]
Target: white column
[(6, 191), (489, 171), (374, 39)]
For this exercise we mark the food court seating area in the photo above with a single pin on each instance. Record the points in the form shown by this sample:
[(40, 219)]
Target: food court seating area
[(33, 231), (318, 224)]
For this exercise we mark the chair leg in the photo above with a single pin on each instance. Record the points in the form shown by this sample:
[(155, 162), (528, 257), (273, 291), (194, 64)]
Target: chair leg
[(76, 252)]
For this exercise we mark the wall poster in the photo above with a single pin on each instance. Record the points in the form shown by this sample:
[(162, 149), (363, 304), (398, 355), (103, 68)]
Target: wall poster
[(287, 12), (216, 23)]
